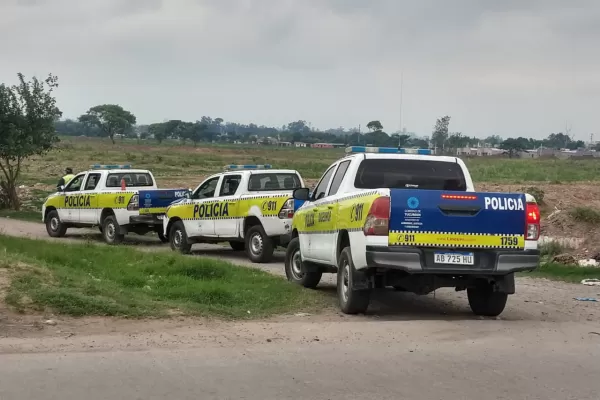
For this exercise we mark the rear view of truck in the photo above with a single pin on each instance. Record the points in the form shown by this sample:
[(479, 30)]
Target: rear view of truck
[(406, 219), (448, 238)]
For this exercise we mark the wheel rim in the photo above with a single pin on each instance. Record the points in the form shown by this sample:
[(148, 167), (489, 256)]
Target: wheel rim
[(110, 230), (54, 223), (177, 238), (256, 244), (345, 281), (297, 265)]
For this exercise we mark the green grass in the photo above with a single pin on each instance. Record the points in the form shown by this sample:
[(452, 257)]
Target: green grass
[(567, 273), (87, 279), (25, 215), (585, 214)]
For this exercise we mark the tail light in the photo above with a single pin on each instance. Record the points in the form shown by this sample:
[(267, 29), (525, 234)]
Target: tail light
[(377, 222), (287, 211), (532, 229), (134, 203)]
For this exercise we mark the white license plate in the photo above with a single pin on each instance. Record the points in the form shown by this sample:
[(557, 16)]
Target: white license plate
[(454, 258)]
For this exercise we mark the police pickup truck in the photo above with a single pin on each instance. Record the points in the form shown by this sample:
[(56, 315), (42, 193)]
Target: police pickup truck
[(249, 206), (116, 198), (403, 218)]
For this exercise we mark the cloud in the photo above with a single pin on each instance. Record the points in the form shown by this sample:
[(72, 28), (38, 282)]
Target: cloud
[(510, 67)]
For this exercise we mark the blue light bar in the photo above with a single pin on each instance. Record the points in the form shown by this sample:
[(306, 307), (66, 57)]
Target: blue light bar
[(106, 166), (246, 166), (387, 150)]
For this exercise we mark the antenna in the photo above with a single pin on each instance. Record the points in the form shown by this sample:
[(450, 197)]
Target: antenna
[(401, 89)]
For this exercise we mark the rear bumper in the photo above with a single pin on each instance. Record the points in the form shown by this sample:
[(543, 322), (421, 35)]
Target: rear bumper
[(147, 219), (420, 260)]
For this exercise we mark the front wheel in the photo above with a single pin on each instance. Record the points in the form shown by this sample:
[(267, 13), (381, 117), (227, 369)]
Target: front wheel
[(54, 227), (485, 302), (110, 230), (259, 247), (178, 238), (294, 269), (352, 301)]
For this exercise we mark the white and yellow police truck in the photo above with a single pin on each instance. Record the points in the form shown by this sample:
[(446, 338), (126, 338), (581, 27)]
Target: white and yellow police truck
[(403, 218), (116, 198), (249, 206)]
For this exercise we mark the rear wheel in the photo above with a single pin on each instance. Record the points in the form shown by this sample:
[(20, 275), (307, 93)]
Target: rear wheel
[(178, 238), (294, 269), (54, 227), (237, 246), (485, 302), (259, 247), (352, 301), (111, 229)]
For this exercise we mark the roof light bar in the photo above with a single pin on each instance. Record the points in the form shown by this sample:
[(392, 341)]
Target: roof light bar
[(386, 150), (106, 166), (231, 167)]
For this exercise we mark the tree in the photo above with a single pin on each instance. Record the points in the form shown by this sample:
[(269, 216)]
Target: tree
[(194, 131), (493, 140), (403, 140), (111, 119), (159, 131), (514, 145), (28, 113), (374, 126), (440, 132)]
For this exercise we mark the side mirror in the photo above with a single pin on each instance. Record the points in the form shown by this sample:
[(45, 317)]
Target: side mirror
[(61, 188), (301, 194)]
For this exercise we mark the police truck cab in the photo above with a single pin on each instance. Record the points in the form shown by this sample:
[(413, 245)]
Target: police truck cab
[(403, 218), (108, 196), (249, 206)]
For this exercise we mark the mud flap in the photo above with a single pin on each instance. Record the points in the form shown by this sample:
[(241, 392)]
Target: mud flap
[(504, 284)]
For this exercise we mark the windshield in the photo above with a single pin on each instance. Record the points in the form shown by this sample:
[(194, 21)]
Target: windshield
[(410, 174), (273, 181), (132, 179)]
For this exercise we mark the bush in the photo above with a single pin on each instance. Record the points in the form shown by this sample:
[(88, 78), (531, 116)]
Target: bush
[(585, 214), (537, 193)]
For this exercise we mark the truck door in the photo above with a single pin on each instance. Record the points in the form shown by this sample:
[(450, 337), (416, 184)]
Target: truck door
[(88, 214), (69, 212), (203, 199), (225, 224)]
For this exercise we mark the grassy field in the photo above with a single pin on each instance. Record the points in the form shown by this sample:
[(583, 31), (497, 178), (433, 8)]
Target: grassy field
[(85, 279), (567, 273), (189, 164)]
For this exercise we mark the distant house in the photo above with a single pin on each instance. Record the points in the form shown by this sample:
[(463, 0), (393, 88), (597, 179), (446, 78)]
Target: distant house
[(284, 144), (300, 144), (479, 151), (322, 146)]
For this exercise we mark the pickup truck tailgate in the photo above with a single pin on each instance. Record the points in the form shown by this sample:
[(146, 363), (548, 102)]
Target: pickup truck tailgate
[(156, 201), (437, 218)]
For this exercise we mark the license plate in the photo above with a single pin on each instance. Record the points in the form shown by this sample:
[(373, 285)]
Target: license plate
[(454, 258)]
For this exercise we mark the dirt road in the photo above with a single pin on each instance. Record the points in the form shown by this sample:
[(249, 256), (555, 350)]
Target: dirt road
[(545, 346)]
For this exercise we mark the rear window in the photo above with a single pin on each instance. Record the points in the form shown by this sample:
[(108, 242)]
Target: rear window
[(410, 174), (132, 179), (260, 182)]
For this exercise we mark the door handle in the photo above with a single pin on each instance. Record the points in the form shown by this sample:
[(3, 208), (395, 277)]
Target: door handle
[(330, 207), (315, 209)]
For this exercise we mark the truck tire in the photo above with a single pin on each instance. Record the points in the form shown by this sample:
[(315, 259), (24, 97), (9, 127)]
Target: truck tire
[(237, 246), (259, 247), (54, 227), (352, 301), (294, 270), (110, 230), (485, 302), (178, 238)]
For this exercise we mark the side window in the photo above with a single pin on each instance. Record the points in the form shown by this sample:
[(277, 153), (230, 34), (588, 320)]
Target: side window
[(92, 181), (207, 189), (338, 177), (75, 184), (319, 192), (230, 185)]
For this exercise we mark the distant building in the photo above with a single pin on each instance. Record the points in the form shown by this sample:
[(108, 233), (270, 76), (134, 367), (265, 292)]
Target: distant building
[(479, 151), (327, 145), (300, 144)]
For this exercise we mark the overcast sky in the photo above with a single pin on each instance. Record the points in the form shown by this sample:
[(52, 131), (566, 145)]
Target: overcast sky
[(507, 67)]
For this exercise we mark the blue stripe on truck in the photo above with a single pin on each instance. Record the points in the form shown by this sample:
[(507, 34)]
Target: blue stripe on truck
[(160, 198)]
